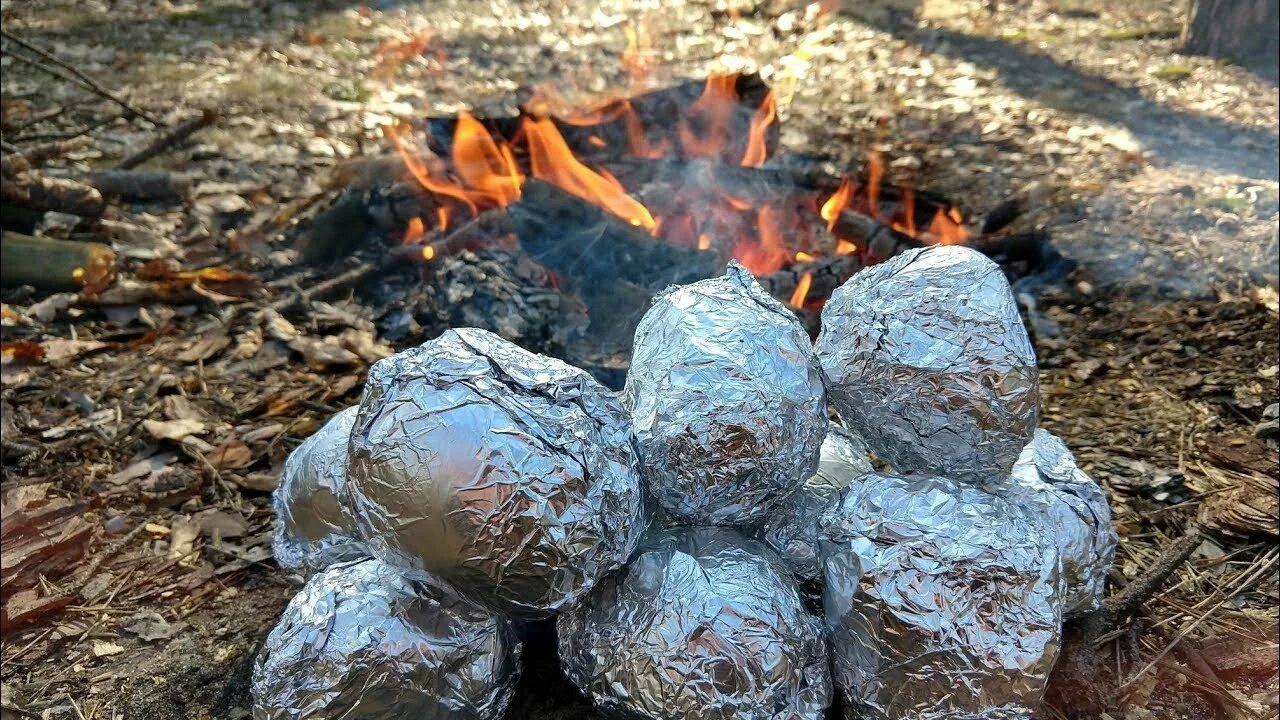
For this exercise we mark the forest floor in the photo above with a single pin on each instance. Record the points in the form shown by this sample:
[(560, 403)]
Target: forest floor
[(160, 425)]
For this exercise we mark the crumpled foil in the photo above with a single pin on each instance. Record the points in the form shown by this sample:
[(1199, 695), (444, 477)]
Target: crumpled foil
[(726, 399), (1072, 511), (702, 623), (792, 529), (362, 642), (314, 526), (509, 474), (927, 358), (941, 601)]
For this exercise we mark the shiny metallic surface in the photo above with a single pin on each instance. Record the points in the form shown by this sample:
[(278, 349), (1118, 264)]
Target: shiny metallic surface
[(727, 400), (927, 358), (509, 474), (314, 526), (702, 623), (362, 642), (941, 601), (1072, 512), (792, 529)]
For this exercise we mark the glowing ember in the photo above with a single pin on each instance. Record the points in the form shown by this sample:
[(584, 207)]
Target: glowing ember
[(802, 290), (442, 218), (428, 252), (551, 160), (414, 232), (764, 116), (704, 242), (844, 247)]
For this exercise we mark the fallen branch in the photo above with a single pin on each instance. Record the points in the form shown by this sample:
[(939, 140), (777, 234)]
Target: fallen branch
[(85, 80), (38, 154), (51, 264), (180, 132), (337, 282), (138, 184), (33, 190)]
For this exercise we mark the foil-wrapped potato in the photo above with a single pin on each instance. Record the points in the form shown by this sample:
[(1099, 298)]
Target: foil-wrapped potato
[(314, 526), (1072, 512), (702, 623), (792, 529), (726, 399), (362, 642), (941, 601), (927, 359), (509, 474)]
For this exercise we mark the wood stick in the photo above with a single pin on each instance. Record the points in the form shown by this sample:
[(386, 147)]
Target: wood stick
[(873, 238), (177, 134), (139, 184), (84, 79), (34, 190), (38, 154), (50, 264)]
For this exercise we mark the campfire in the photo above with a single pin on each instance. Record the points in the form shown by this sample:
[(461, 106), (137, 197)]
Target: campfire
[(587, 211)]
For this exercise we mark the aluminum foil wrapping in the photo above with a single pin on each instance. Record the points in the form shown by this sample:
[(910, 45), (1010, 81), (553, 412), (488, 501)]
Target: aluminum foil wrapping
[(702, 623), (727, 400), (509, 474), (1072, 513), (941, 601), (314, 526), (362, 642), (792, 529), (927, 358)]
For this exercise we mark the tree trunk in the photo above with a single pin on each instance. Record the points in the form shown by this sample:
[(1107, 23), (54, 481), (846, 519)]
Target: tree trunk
[(1245, 31)]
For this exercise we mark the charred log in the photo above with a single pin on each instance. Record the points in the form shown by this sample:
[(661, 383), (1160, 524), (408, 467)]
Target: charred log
[(50, 264)]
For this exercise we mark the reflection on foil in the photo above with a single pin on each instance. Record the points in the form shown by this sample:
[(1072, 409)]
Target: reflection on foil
[(702, 623), (511, 475), (727, 401), (940, 599), (927, 358), (361, 641)]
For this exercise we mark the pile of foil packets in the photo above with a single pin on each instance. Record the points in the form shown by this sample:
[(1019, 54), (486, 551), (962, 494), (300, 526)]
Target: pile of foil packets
[(755, 526)]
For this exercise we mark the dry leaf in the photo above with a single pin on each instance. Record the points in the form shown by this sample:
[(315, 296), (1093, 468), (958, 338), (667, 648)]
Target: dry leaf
[(323, 352), (57, 349), (231, 455), (102, 648), (174, 430)]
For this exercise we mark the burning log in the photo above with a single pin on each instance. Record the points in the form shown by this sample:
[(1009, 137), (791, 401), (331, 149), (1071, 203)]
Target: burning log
[(825, 275), (575, 239), (874, 239), (51, 264)]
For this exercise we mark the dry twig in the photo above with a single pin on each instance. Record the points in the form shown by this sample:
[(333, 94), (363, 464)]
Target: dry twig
[(83, 79)]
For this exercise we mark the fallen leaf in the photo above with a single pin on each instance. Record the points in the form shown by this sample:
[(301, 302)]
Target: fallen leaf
[(178, 407), (207, 346), (182, 538), (151, 626), (323, 352), (58, 349), (142, 468), (259, 481), (231, 455), (364, 344), (102, 648), (174, 430), (222, 524)]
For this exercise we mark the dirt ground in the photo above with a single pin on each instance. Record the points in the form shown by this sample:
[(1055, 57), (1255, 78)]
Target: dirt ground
[(163, 423)]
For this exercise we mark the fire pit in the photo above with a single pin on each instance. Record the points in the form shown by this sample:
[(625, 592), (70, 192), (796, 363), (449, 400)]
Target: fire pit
[(578, 216)]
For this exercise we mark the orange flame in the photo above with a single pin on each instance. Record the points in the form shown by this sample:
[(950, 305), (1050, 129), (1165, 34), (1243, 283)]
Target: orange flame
[(760, 122), (638, 139), (552, 161), (705, 129), (947, 229), (486, 167), (844, 247), (838, 201), (909, 210), (704, 242), (874, 175), (418, 167), (414, 232), (442, 218), (769, 254), (802, 290)]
